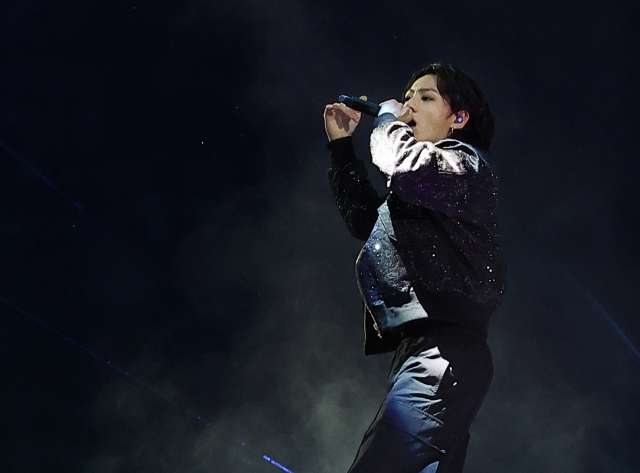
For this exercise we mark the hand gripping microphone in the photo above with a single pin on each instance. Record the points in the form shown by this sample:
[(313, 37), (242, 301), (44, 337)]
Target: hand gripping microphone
[(360, 105)]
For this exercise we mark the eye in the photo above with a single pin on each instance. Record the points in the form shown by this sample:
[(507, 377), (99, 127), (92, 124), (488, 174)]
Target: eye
[(425, 98)]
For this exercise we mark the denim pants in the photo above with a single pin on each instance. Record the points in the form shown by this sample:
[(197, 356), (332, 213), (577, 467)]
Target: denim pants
[(436, 385)]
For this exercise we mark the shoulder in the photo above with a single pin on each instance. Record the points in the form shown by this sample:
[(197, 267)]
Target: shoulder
[(462, 153)]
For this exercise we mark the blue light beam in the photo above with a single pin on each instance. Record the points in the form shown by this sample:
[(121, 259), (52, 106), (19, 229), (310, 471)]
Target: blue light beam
[(593, 302), (41, 176), (276, 464), (126, 374)]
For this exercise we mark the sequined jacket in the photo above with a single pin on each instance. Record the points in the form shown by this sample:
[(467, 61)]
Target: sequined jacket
[(431, 249)]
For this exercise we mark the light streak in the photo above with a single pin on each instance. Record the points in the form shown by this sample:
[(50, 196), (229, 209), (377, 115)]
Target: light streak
[(86, 350), (595, 304), (41, 176), (125, 373), (276, 464)]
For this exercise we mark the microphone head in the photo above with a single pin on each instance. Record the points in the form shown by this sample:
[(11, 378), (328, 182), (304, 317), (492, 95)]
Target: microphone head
[(360, 105)]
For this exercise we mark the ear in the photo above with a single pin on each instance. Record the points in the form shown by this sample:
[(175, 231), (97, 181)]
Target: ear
[(460, 119)]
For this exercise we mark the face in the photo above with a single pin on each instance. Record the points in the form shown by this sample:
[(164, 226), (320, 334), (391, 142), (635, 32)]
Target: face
[(430, 116)]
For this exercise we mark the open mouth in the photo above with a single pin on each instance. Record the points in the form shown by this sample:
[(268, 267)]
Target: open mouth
[(412, 123)]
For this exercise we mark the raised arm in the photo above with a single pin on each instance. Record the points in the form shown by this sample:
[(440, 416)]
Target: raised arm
[(434, 175), (356, 198)]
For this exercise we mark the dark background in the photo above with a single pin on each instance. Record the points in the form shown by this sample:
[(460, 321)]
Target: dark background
[(166, 208)]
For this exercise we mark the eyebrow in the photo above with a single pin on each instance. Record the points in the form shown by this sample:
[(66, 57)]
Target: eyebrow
[(423, 89)]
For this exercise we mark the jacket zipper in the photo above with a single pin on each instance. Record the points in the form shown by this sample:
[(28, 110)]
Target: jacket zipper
[(366, 310), (375, 324)]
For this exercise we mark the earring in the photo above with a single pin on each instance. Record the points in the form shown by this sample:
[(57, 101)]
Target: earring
[(451, 130), (459, 120)]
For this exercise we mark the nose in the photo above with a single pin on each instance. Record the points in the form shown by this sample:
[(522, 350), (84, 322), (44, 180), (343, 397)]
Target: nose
[(408, 103)]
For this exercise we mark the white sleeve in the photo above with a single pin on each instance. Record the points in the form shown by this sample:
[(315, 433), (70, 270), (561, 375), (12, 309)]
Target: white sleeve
[(422, 172)]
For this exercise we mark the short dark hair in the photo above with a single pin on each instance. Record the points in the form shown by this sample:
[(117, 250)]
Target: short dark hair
[(462, 93)]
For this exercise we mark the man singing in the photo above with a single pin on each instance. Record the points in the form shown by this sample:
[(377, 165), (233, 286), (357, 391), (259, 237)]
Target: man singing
[(429, 271)]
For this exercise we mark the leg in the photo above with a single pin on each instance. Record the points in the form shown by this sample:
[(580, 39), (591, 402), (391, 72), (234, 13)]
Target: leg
[(436, 387), (387, 449), (455, 461), (403, 439)]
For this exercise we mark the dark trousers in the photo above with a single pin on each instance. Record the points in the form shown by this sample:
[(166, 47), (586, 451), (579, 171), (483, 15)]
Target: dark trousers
[(437, 383)]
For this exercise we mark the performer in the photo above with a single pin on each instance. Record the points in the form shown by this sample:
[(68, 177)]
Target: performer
[(429, 271)]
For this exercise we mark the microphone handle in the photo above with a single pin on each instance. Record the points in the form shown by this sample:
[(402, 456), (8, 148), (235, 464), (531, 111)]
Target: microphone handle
[(368, 108)]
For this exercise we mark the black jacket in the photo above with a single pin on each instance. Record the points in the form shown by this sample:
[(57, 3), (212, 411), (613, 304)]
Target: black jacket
[(430, 244)]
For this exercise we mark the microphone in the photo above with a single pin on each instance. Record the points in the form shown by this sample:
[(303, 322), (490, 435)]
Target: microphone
[(360, 105)]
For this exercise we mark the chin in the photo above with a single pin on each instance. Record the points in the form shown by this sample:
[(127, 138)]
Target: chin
[(419, 136)]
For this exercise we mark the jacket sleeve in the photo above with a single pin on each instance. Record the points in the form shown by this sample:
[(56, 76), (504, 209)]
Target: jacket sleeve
[(352, 191), (432, 175)]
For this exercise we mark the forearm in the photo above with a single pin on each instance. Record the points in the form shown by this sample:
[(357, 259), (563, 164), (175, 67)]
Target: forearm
[(394, 150), (355, 196), (433, 175)]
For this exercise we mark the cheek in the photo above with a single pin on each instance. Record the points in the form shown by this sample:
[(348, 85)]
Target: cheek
[(434, 119)]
